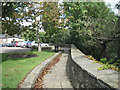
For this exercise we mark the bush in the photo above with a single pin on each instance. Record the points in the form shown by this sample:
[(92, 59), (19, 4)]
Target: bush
[(111, 61), (103, 60), (108, 66)]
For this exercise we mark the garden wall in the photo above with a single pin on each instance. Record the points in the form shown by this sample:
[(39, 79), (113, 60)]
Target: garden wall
[(83, 72)]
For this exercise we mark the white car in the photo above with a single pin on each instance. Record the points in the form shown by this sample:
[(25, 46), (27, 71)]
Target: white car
[(44, 44), (23, 44), (19, 44), (35, 43)]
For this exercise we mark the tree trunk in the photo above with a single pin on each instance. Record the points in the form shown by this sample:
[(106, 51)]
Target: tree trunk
[(118, 51), (39, 47), (103, 51)]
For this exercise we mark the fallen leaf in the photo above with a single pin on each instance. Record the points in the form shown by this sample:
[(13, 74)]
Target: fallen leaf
[(6, 75), (118, 82)]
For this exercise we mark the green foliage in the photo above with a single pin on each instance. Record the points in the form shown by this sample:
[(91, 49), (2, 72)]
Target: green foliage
[(42, 36), (51, 23), (90, 57), (117, 63), (11, 18), (103, 60), (108, 66), (105, 64), (105, 67), (62, 37), (30, 35), (111, 61), (93, 28)]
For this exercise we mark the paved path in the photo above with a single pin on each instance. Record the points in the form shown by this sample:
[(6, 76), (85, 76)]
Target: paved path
[(56, 78)]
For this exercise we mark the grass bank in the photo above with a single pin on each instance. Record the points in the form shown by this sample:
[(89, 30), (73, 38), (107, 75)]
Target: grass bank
[(14, 69)]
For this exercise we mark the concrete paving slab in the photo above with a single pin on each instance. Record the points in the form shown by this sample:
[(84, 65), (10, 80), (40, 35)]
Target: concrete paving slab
[(58, 75), (57, 85)]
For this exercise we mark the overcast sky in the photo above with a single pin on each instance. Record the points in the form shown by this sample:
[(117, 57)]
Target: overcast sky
[(112, 3)]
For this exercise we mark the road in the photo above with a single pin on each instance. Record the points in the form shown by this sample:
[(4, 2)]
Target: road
[(13, 49)]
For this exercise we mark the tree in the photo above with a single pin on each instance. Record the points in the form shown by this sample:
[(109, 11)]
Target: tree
[(118, 51), (32, 13), (49, 13), (62, 37), (51, 17), (93, 27), (14, 14), (11, 18)]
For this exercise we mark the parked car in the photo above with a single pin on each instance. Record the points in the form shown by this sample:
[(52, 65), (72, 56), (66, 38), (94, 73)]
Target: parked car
[(14, 44), (28, 44), (33, 43), (23, 44), (1, 45), (11, 44), (18, 44), (44, 44), (7, 44)]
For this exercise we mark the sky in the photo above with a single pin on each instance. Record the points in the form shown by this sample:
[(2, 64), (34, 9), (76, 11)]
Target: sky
[(112, 3)]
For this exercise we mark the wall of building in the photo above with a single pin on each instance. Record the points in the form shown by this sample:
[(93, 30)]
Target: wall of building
[(83, 72)]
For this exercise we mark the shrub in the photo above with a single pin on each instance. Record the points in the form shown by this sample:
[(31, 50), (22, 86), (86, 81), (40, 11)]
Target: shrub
[(111, 61), (108, 66), (103, 60)]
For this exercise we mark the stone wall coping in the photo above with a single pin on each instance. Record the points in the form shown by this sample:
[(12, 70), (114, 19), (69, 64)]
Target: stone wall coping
[(110, 77)]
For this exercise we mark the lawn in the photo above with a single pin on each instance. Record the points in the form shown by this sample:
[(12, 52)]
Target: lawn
[(15, 69)]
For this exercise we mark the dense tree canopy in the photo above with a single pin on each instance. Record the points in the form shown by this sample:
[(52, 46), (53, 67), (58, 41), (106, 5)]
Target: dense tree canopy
[(51, 17), (94, 28)]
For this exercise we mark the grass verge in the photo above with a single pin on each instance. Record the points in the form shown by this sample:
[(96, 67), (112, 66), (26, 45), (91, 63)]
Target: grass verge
[(14, 69)]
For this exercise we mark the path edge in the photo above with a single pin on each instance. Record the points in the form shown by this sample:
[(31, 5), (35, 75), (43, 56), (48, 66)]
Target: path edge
[(33, 75)]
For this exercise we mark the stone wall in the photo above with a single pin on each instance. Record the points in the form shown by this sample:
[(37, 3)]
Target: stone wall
[(83, 72)]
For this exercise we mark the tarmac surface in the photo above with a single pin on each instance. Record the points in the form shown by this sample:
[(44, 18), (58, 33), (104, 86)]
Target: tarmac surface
[(13, 49), (56, 77)]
